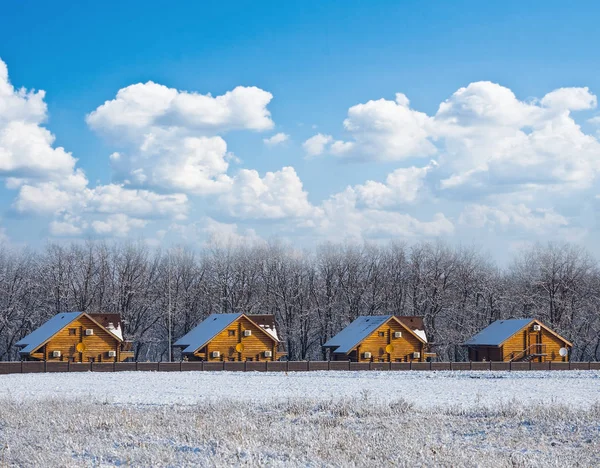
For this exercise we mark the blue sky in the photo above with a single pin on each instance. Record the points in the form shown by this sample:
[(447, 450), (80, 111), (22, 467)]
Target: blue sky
[(509, 167)]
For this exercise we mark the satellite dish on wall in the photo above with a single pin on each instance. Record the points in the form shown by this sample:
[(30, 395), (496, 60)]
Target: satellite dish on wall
[(239, 347), (563, 352), (389, 349), (80, 347)]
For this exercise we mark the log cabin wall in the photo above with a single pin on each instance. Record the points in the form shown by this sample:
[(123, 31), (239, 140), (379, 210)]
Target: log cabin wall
[(377, 342), (226, 342), (527, 337), (67, 339)]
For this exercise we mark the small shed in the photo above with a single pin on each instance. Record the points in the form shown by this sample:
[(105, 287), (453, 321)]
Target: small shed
[(232, 337), (518, 340), (77, 337), (381, 338)]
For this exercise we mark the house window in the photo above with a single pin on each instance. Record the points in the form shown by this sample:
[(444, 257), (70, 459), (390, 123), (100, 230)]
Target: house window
[(381, 333), (231, 332), (72, 331)]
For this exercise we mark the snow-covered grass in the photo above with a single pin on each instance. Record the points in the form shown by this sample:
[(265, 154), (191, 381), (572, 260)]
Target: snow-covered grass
[(306, 419), (424, 389)]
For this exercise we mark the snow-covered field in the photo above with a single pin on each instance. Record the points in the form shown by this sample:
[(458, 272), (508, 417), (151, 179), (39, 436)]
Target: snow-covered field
[(578, 389), (301, 419)]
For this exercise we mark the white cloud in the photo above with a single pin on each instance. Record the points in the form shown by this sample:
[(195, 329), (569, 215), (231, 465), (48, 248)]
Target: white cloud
[(117, 225), (170, 139), (277, 195), (341, 218), (512, 215), (26, 150), (485, 138), (315, 145), (570, 99), (402, 186), (276, 139), (168, 160), (140, 106), (49, 198), (69, 226)]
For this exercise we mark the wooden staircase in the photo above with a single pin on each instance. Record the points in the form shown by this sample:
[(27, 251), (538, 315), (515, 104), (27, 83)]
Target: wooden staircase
[(530, 353)]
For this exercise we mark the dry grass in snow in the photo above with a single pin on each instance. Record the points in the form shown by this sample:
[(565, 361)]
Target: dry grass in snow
[(295, 433)]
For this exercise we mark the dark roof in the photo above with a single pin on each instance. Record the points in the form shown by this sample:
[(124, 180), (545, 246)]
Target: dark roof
[(498, 332), (263, 320), (105, 319), (412, 321), (46, 331)]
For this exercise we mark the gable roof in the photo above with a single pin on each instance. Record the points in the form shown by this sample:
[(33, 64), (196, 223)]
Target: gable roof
[(501, 330), (46, 331), (206, 330), (43, 333), (347, 339), (498, 332), (415, 323)]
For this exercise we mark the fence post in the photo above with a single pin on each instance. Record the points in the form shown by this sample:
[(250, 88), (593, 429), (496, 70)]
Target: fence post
[(136, 365), (410, 365), (569, 365), (328, 365), (490, 365), (202, 366), (370, 365), (470, 365), (21, 366), (180, 368)]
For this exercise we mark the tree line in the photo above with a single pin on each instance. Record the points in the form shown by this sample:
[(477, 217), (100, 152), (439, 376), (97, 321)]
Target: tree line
[(313, 293)]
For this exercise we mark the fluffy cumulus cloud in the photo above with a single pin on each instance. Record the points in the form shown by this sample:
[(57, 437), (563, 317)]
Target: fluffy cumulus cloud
[(488, 145), (26, 147), (507, 216), (383, 130), (343, 218), (483, 136), (208, 231), (49, 198), (315, 145), (117, 225), (171, 139), (277, 195), (497, 162), (50, 185), (276, 139), (401, 186)]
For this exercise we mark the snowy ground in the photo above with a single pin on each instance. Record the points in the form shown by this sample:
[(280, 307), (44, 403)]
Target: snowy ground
[(579, 389), (301, 419)]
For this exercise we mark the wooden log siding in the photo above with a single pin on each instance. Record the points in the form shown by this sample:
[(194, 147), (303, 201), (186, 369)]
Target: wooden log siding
[(527, 337), (96, 345), (404, 347), (254, 345)]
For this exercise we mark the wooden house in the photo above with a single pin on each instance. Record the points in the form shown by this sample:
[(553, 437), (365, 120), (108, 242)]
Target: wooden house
[(384, 338), (232, 337), (77, 337), (518, 340)]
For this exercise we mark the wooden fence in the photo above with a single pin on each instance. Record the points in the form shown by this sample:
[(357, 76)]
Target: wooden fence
[(30, 367)]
